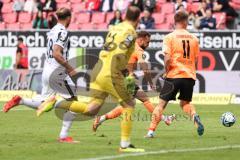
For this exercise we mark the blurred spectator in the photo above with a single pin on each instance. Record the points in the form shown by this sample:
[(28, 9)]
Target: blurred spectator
[(181, 8), (93, 5), (208, 22), (18, 6), (224, 6), (191, 21), (40, 22), (147, 21), (180, 3), (107, 5), (121, 5), (209, 4), (52, 21), (39, 5), (50, 6), (117, 18), (1, 5), (149, 5), (21, 55), (31, 6), (201, 13), (137, 3)]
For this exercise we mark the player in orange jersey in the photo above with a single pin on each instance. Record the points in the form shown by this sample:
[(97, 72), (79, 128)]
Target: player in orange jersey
[(137, 57), (181, 50)]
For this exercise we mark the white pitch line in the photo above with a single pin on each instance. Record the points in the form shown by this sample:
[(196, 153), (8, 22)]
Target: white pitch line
[(165, 151)]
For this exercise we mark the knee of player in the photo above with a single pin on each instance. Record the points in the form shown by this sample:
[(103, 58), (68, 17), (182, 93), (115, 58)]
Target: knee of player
[(128, 104), (183, 103), (91, 112), (143, 99)]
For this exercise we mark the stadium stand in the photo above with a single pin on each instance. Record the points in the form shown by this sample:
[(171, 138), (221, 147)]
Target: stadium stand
[(163, 15)]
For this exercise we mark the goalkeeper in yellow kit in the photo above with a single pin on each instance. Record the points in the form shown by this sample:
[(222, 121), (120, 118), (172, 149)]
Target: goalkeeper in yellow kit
[(107, 78)]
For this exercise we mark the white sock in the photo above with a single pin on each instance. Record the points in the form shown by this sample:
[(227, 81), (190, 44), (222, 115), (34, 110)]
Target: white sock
[(31, 103), (124, 144), (164, 118), (102, 119), (150, 132), (68, 118)]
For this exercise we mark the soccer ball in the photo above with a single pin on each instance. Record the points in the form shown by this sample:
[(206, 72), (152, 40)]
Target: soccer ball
[(228, 119)]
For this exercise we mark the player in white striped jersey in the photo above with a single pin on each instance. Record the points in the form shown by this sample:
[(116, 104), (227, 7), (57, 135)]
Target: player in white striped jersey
[(55, 78)]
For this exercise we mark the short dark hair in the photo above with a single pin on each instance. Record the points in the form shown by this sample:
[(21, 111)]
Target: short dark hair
[(20, 39), (181, 5), (181, 16), (133, 13), (63, 13), (143, 34)]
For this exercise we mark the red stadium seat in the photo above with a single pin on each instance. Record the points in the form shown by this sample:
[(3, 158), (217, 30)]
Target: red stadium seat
[(170, 18), (76, 8), (235, 5), (161, 1), (61, 1), (73, 27), (164, 26), (83, 17), (194, 7), (2, 26), (159, 18), (7, 8), (73, 19), (24, 17), (13, 26), (102, 26), (87, 26), (236, 1), (109, 16), (221, 20), (98, 17), (77, 2), (10, 17), (6, 1), (168, 8), (26, 26), (66, 5)]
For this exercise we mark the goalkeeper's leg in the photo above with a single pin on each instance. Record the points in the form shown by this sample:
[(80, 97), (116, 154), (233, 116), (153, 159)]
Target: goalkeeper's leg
[(126, 128)]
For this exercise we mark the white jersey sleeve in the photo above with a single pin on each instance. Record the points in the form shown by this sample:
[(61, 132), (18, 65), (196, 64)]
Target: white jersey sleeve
[(58, 35)]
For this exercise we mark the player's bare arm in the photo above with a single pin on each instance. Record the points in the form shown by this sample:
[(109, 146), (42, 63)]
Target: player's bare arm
[(57, 54)]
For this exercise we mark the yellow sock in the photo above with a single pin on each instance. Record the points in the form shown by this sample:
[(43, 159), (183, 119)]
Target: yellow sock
[(126, 124), (78, 107)]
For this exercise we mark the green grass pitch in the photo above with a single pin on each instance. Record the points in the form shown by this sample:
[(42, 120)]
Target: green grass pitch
[(23, 136)]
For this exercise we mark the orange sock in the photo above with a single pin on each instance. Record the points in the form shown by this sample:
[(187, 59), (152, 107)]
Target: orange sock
[(189, 109), (156, 118), (149, 106), (116, 112)]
